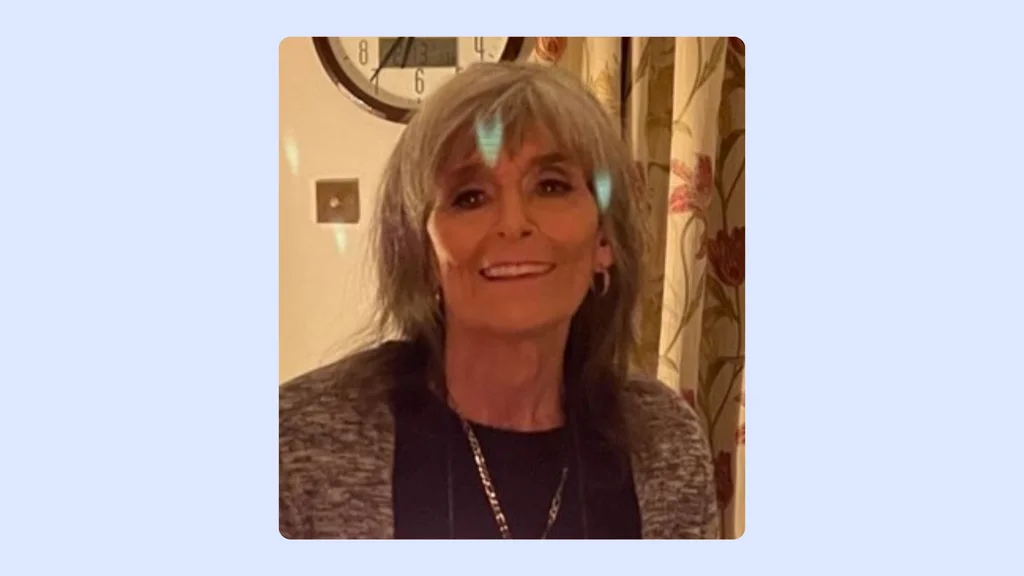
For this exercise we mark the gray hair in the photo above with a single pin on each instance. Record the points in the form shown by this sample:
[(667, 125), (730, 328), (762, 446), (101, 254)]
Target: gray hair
[(603, 335)]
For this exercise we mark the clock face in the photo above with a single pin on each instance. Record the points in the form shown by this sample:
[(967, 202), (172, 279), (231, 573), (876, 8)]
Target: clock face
[(392, 76)]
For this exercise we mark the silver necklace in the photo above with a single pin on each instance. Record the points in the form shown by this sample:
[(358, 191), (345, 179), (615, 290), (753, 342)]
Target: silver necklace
[(492, 495)]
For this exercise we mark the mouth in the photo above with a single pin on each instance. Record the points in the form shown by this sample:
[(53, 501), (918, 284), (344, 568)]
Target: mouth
[(516, 270)]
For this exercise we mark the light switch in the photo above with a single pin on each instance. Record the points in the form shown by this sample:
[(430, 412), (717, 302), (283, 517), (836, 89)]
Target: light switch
[(337, 201)]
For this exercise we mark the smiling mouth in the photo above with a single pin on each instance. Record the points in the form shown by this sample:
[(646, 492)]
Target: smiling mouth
[(516, 270)]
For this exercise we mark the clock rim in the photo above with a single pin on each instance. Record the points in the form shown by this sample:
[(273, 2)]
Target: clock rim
[(329, 62)]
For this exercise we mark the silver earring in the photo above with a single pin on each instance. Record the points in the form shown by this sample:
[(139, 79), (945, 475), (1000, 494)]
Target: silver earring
[(606, 282)]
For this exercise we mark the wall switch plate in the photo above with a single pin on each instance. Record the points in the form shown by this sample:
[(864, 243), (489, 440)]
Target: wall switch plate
[(337, 201)]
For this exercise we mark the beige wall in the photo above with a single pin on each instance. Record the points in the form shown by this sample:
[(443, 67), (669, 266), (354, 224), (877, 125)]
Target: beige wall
[(324, 291)]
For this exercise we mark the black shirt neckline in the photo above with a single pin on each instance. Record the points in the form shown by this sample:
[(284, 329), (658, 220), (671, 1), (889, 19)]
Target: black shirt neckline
[(437, 490)]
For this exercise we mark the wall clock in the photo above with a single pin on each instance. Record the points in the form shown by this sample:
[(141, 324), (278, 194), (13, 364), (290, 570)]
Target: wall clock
[(390, 77)]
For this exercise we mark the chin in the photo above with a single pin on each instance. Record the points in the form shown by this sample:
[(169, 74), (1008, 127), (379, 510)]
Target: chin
[(520, 325)]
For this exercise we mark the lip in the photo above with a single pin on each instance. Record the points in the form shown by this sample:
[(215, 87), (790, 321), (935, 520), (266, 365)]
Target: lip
[(506, 271)]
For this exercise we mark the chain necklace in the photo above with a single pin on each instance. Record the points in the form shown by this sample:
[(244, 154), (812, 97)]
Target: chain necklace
[(492, 496)]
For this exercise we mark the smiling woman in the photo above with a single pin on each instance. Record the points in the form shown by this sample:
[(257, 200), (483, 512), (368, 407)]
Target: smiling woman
[(506, 408), (515, 261)]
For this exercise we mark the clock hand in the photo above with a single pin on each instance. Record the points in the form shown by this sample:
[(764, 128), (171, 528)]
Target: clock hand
[(386, 58), (408, 48)]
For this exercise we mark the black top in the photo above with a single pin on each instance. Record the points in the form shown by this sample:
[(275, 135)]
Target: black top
[(525, 467)]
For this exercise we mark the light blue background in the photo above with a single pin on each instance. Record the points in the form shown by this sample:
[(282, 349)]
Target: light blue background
[(139, 263)]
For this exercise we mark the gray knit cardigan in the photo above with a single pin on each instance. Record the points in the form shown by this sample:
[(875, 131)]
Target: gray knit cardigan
[(337, 452)]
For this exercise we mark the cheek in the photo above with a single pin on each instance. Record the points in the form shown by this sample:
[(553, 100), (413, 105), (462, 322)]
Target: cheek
[(455, 246), (575, 253), (573, 235)]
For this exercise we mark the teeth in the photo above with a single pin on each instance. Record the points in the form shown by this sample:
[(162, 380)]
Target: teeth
[(513, 270)]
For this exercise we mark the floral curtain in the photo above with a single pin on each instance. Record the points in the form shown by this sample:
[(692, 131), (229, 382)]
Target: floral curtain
[(681, 101)]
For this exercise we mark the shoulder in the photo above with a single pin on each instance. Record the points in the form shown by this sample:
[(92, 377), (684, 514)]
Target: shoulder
[(308, 403), (661, 408), (674, 460), (663, 419), (332, 398)]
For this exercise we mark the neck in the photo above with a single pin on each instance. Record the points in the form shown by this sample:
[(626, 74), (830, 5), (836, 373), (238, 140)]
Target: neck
[(514, 383)]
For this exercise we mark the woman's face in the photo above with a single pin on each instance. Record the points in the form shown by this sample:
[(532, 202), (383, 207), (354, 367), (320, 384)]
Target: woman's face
[(517, 245)]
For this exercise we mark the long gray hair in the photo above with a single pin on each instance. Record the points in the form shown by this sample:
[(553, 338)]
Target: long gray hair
[(603, 334)]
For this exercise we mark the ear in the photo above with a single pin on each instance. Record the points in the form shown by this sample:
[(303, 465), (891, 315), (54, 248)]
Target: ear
[(603, 255)]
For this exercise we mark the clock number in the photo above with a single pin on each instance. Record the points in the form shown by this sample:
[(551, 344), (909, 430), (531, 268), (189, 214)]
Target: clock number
[(364, 52), (478, 46), (422, 53), (419, 81)]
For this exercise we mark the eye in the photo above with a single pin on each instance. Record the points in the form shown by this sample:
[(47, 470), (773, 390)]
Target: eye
[(554, 187), (468, 199)]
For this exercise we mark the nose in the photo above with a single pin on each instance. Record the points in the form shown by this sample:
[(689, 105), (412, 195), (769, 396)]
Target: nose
[(513, 220)]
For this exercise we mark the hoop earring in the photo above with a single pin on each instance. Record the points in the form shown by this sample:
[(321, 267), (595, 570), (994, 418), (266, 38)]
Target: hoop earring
[(606, 283)]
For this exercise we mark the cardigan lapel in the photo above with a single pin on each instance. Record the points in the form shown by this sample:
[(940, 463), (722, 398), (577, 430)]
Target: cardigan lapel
[(360, 493)]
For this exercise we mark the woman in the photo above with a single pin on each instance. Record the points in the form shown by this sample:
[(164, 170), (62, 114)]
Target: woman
[(504, 408)]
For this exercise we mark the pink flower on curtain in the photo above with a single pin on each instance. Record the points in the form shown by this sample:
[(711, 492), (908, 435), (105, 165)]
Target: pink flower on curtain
[(694, 192), (550, 49), (723, 479), (738, 46), (726, 252)]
